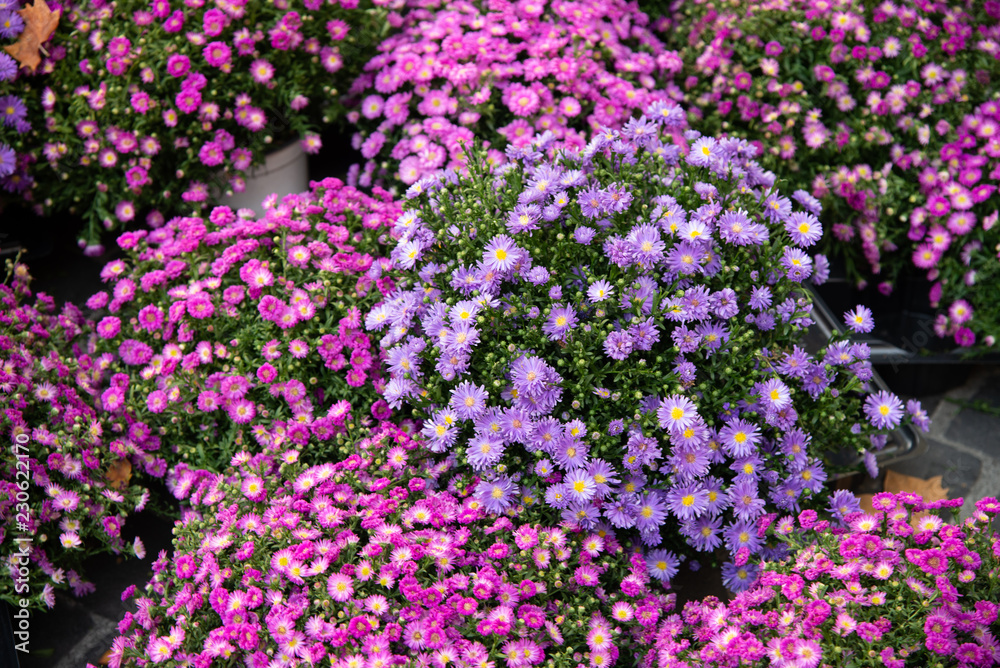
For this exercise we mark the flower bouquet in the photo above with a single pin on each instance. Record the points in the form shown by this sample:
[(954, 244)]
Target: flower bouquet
[(504, 71), (235, 327), (895, 589), (65, 488), (884, 111), (615, 334), (380, 559), (161, 107)]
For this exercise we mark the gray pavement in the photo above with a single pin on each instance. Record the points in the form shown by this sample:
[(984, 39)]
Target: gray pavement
[(965, 442)]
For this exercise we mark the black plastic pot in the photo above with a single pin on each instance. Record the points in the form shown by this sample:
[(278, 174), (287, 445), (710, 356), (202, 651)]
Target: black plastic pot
[(910, 357), (905, 442)]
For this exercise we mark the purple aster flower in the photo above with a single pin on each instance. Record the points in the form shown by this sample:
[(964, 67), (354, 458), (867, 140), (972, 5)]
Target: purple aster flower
[(718, 501), (686, 340), (600, 291), (620, 514), (650, 511), (12, 109), (760, 298), (483, 451), (712, 335), (918, 415), (8, 160), (735, 227), (644, 334), (543, 468), (616, 199), (694, 435), (871, 463), (584, 235), (821, 269), (723, 303), (641, 451), (744, 501), (704, 152), (797, 264), (586, 516), (8, 67), (646, 245), (748, 468), (687, 501), (469, 400), (546, 434), (777, 208), (618, 345), (812, 476), (742, 533), (557, 496), (633, 483), (739, 578), (689, 462), (11, 24), (815, 380), (570, 453), (685, 258), (704, 532), (775, 394), (843, 503), (497, 495), (662, 564), (808, 202), (884, 410), (523, 218), (739, 437), (794, 445), (580, 485), (538, 276), (676, 413), (515, 425), (591, 202), (501, 254), (803, 228), (529, 374), (617, 250), (860, 320), (604, 475), (839, 353), (560, 321)]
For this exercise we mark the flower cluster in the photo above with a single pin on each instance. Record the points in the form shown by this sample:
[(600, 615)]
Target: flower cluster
[(517, 68), (233, 326), (380, 559), (884, 111), (65, 492), (617, 334), (893, 590), (161, 107)]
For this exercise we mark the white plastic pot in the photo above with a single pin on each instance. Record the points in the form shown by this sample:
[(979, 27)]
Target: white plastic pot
[(284, 171)]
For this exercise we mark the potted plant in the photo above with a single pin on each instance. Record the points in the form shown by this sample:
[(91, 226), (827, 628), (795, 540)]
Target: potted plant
[(617, 333), (898, 587), (504, 72), (390, 560), (67, 486), (160, 108), (884, 112), (229, 324)]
